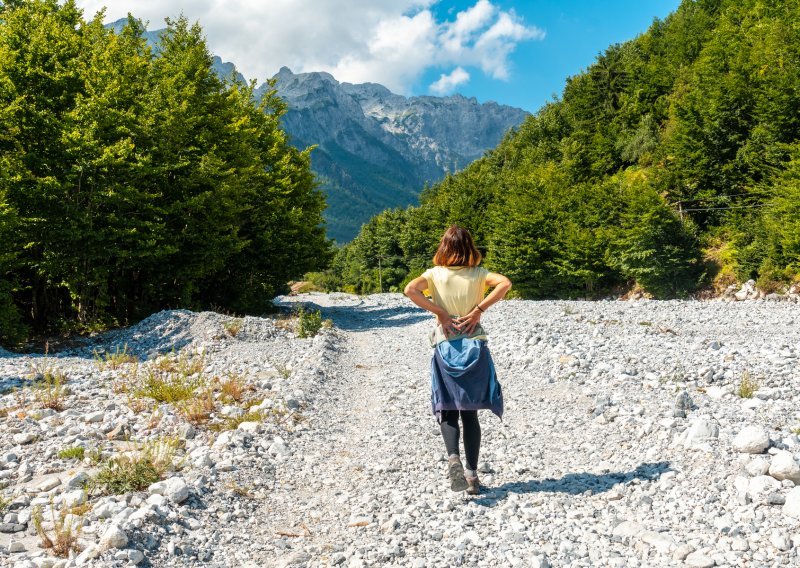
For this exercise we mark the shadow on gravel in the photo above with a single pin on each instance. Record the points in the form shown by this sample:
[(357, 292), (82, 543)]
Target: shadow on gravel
[(360, 318), (573, 483)]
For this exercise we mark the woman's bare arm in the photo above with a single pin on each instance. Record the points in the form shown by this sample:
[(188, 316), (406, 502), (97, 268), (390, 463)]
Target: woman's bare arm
[(414, 291)]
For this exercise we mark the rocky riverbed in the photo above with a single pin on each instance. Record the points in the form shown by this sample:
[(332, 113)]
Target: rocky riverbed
[(637, 433)]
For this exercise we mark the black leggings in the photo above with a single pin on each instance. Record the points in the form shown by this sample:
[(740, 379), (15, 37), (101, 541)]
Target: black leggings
[(472, 434)]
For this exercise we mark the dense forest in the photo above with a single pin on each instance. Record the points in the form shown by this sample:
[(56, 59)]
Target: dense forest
[(133, 180), (671, 164)]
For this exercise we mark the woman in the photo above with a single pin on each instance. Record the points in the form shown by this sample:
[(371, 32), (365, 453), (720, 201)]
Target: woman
[(463, 377)]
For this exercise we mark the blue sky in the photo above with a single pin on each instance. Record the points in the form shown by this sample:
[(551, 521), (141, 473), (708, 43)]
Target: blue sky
[(575, 32), (512, 52)]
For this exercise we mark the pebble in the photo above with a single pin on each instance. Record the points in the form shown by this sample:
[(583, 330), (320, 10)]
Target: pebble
[(751, 440)]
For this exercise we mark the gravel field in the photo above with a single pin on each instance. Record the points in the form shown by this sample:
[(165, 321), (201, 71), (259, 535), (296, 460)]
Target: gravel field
[(635, 433)]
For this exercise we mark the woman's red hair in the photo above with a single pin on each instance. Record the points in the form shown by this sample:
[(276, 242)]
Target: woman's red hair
[(457, 249)]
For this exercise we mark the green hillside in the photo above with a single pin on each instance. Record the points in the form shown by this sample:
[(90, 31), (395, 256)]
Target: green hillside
[(671, 163)]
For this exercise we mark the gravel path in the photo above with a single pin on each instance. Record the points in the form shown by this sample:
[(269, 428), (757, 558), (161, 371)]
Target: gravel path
[(625, 442)]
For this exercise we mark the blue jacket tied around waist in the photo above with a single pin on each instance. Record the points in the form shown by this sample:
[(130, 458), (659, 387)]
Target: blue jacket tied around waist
[(463, 377)]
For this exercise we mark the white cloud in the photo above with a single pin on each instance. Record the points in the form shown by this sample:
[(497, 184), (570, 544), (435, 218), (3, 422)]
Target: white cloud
[(448, 83), (392, 42)]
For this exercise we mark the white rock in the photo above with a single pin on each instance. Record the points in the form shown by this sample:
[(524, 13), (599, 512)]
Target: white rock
[(48, 484), (699, 560), (16, 546), (176, 490), (783, 467), (74, 498), (780, 540), (113, 537), (660, 541), (89, 553), (751, 440), (792, 506), (627, 529), (762, 485), (94, 417), (757, 466), (23, 438), (252, 427), (700, 431)]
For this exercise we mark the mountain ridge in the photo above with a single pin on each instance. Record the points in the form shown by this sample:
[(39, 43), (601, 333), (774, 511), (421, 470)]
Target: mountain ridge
[(376, 149)]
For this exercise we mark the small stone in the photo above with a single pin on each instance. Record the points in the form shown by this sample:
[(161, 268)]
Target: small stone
[(761, 486), (23, 438), (783, 467), (120, 433), (700, 431), (187, 432), (113, 537), (135, 556), (780, 540), (176, 490), (252, 427), (792, 506), (94, 417), (682, 552), (16, 546), (78, 480), (74, 498), (751, 440), (757, 466), (699, 560), (740, 544), (48, 484), (683, 404)]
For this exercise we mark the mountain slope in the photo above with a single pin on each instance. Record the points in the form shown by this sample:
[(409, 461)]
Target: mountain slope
[(377, 150), (672, 162)]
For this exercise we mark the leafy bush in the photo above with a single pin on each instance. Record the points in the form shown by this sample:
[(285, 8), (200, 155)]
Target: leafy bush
[(136, 470), (309, 322)]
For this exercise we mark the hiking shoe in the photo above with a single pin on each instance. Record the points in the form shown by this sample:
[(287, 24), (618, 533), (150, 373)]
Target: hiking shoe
[(473, 485), (455, 473)]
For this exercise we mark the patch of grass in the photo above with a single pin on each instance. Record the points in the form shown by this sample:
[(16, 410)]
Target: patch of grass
[(50, 393), (645, 323), (136, 470), (182, 364), (95, 456), (569, 310), (65, 537), (4, 503), (198, 410), (73, 453), (234, 388), (283, 371), (232, 422), (796, 431), (233, 327), (747, 386), (81, 510), (239, 490), (115, 360), (169, 387), (309, 322)]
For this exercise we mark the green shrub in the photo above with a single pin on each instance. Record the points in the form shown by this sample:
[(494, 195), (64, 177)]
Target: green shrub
[(309, 322), (136, 470), (747, 386), (73, 453)]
